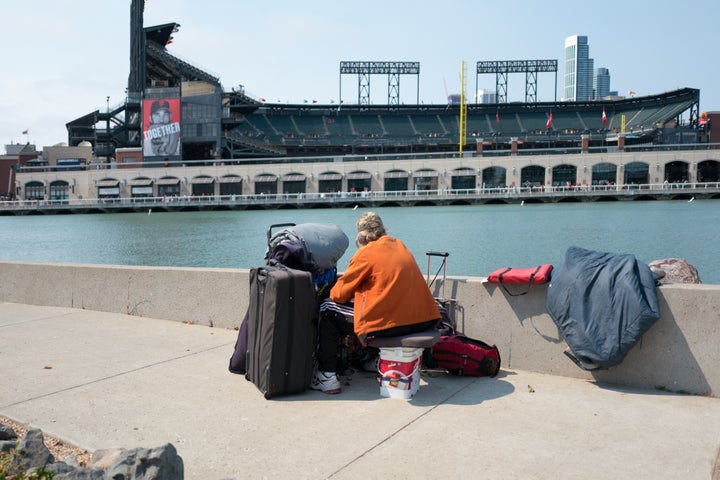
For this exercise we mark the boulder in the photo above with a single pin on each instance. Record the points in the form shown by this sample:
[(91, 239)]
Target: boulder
[(162, 463), (674, 270), (81, 474), (31, 453), (7, 433)]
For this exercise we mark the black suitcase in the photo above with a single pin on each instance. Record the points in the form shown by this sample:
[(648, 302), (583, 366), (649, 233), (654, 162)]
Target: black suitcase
[(281, 330)]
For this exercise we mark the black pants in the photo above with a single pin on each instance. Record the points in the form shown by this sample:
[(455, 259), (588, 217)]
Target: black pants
[(332, 326)]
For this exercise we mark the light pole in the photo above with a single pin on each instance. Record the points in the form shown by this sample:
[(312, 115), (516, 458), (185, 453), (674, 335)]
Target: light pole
[(107, 130)]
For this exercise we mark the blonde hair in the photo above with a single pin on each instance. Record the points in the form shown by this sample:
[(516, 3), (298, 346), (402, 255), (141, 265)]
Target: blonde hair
[(370, 228)]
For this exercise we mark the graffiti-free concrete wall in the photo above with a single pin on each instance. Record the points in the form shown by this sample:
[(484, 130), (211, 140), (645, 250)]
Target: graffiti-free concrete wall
[(679, 353)]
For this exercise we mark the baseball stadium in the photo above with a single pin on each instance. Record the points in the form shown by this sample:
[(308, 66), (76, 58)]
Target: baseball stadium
[(179, 137)]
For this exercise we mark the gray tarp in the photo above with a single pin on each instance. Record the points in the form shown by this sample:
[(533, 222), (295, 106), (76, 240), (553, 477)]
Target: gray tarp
[(602, 303), (323, 244)]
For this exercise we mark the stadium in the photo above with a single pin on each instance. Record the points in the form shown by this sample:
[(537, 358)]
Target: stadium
[(180, 134)]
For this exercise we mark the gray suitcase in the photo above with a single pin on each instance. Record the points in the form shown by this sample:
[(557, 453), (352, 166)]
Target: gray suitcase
[(281, 330)]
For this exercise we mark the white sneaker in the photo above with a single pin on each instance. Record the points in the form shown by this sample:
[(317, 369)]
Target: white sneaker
[(327, 382)]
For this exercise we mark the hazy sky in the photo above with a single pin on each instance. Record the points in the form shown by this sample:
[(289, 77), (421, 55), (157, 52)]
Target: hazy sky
[(63, 58)]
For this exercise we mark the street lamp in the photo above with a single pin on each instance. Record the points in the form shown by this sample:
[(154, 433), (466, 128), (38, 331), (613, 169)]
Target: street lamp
[(107, 131)]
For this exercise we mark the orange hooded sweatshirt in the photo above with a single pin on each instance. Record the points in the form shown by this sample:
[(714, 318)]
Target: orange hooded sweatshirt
[(388, 288)]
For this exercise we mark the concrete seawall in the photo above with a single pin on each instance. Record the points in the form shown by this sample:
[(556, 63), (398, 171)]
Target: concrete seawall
[(679, 353)]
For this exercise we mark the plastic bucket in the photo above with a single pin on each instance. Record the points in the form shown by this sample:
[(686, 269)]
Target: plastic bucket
[(399, 371)]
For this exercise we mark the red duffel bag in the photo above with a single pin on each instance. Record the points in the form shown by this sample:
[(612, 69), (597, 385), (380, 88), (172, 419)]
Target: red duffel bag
[(465, 356), (521, 276)]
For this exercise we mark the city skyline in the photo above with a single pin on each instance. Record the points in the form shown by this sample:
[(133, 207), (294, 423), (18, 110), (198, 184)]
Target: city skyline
[(67, 60)]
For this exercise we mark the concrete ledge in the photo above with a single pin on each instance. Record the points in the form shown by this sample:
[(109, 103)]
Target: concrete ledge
[(205, 296), (679, 353)]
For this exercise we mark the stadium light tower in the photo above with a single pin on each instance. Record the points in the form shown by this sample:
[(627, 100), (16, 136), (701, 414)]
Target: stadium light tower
[(393, 70)]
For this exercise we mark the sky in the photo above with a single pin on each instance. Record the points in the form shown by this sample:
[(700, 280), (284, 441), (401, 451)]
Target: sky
[(63, 58)]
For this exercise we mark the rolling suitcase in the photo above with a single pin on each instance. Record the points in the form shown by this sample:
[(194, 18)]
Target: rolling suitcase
[(281, 330)]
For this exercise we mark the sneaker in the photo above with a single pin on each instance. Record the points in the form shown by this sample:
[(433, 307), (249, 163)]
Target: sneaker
[(327, 382)]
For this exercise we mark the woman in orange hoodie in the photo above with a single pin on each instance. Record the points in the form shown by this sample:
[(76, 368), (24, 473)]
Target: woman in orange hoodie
[(390, 296)]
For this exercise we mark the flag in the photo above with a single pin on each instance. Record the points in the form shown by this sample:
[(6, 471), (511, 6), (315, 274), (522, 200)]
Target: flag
[(314, 101), (25, 132), (549, 121), (604, 118), (497, 116)]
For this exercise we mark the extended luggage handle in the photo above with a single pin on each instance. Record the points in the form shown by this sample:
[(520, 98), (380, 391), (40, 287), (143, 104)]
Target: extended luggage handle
[(443, 267), (450, 305), (277, 225)]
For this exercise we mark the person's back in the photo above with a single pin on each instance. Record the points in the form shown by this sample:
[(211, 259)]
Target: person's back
[(390, 297), (387, 286)]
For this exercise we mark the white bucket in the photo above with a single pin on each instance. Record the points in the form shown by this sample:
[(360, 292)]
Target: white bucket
[(400, 371)]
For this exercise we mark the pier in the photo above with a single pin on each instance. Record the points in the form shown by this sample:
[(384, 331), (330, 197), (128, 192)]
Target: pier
[(371, 199)]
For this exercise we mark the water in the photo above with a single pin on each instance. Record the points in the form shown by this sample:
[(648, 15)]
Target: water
[(479, 238)]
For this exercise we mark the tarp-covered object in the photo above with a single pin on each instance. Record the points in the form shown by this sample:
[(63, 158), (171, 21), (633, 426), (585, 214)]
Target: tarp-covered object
[(319, 245), (602, 303)]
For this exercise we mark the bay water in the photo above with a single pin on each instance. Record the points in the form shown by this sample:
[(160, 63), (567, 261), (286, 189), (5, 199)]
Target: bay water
[(478, 238)]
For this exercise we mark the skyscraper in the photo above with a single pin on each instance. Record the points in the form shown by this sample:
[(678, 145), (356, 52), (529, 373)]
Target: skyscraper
[(601, 83), (578, 70), (486, 96)]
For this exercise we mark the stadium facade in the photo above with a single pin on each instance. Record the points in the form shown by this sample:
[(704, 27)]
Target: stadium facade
[(179, 133)]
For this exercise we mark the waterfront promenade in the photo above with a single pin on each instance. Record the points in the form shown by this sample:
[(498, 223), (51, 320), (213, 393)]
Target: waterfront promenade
[(371, 199), (108, 380)]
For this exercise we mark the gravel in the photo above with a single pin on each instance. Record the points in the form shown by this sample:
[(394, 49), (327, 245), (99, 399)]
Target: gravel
[(60, 449)]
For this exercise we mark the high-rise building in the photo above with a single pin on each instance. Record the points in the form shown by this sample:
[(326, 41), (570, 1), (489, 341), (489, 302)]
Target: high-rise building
[(578, 70), (601, 83), (486, 96)]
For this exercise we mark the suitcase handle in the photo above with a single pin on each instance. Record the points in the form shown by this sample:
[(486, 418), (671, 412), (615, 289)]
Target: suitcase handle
[(276, 225), (443, 267)]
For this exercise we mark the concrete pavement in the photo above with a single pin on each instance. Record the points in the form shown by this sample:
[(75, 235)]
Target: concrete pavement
[(104, 380)]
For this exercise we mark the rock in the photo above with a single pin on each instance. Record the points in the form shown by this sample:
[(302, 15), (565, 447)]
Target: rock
[(676, 270), (60, 468), (31, 453), (82, 474), (104, 458), (7, 433), (7, 445), (162, 463)]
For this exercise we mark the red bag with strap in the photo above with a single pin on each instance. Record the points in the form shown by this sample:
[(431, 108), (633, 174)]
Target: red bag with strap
[(465, 356), (521, 276)]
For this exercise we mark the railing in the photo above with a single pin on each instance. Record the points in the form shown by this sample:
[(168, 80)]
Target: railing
[(488, 152), (406, 196)]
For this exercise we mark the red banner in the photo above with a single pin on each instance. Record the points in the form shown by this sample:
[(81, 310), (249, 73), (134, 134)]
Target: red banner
[(161, 128)]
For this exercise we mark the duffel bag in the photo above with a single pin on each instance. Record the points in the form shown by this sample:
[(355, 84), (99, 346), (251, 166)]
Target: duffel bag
[(465, 356)]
